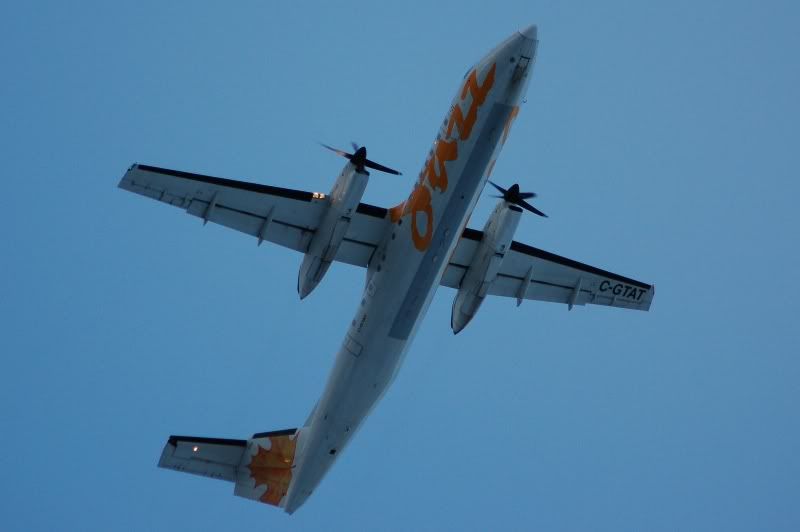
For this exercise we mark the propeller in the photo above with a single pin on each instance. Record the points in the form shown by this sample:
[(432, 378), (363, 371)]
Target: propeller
[(515, 197), (359, 159)]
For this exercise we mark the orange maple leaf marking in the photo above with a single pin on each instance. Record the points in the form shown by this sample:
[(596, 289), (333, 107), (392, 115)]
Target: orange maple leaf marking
[(273, 468)]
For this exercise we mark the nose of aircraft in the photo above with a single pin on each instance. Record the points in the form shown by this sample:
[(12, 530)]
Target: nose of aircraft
[(529, 32)]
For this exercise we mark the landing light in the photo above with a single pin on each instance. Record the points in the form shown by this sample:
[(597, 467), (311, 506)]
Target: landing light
[(195, 449), (318, 195)]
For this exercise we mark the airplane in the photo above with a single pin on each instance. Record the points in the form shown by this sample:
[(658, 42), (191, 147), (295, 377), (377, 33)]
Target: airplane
[(408, 251)]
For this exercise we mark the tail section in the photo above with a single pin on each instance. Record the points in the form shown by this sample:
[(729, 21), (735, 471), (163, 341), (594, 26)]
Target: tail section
[(261, 467)]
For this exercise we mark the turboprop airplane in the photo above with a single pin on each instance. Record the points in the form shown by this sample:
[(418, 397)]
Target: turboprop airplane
[(408, 252)]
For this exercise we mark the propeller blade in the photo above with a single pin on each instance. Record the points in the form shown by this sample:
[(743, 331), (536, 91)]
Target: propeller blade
[(359, 159), (499, 188), (337, 151), (380, 167), (515, 197), (525, 205)]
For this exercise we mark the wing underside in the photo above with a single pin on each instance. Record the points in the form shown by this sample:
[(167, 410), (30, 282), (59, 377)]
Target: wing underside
[(531, 273), (283, 216), (289, 218)]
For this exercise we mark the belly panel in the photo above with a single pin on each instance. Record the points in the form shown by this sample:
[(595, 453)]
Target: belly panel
[(468, 186)]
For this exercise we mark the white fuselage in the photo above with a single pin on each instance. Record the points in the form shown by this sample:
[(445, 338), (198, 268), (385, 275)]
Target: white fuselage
[(407, 266)]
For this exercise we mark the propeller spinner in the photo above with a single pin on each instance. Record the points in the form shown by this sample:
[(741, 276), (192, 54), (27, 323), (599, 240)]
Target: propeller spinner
[(359, 159), (515, 197)]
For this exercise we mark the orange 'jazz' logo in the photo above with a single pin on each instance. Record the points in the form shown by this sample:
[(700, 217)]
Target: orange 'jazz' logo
[(434, 174)]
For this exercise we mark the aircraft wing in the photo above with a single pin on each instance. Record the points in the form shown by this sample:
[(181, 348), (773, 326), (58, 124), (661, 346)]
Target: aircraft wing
[(280, 215), (531, 273)]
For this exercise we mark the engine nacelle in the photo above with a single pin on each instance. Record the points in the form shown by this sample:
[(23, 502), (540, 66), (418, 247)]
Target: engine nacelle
[(343, 201), (482, 271)]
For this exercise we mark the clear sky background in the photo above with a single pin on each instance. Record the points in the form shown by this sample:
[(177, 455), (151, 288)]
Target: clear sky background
[(663, 142)]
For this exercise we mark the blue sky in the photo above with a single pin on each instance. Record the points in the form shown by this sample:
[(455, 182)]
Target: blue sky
[(662, 140)]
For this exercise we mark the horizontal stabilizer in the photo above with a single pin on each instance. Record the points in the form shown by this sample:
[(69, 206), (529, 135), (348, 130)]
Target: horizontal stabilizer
[(209, 457), (261, 467)]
